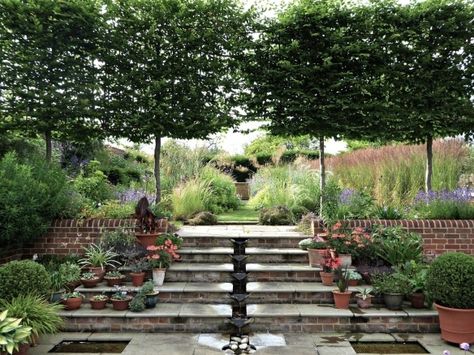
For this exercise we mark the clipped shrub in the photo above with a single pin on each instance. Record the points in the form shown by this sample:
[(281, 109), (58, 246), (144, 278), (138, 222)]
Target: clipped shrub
[(22, 277), (279, 215), (450, 281), (203, 218)]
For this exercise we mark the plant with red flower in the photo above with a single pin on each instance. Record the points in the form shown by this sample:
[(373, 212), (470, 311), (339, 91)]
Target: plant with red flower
[(330, 261), (158, 257)]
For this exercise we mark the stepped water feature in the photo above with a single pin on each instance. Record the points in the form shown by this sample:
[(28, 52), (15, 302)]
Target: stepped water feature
[(282, 293)]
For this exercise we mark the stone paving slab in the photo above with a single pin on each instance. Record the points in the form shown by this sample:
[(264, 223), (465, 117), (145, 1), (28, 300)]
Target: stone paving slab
[(240, 231), (161, 310), (272, 310), (206, 310), (208, 287), (193, 267), (284, 267), (249, 251), (311, 310)]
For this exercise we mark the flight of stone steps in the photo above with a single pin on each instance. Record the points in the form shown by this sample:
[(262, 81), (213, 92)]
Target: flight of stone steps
[(285, 292)]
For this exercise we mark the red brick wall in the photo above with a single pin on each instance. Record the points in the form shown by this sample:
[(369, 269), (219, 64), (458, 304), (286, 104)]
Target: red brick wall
[(439, 235)]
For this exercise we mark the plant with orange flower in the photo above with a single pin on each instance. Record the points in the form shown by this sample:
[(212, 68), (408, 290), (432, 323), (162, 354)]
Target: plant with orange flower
[(158, 257)]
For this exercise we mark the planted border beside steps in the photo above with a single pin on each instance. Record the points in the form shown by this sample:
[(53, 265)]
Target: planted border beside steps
[(439, 235)]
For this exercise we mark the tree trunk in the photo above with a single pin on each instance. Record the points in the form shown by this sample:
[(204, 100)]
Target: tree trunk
[(157, 168), (322, 175), (429, 163), (49, 145)]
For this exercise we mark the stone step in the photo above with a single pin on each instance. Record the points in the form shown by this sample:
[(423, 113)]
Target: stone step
[(218, 293), (260, 255), (170, 317), (213, 272)]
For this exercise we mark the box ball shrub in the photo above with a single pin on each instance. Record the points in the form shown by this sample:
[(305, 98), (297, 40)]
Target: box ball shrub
[(22, 277), (450, 281)]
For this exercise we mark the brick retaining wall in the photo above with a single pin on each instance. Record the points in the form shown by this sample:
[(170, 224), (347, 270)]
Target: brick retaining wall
[(439, 236)]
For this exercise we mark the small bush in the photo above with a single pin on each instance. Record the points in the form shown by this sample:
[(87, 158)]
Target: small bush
[(450, 281), (263, 158), (223, 194), (203, 218), (22, 277), (190, 198), (279, 215), (111, 209), (94, 186)]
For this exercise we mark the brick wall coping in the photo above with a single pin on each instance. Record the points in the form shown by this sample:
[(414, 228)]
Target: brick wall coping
[(93, 222), (412, 223)]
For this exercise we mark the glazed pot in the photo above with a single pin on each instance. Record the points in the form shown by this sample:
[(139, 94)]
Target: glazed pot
[(417, 300), (137, 278), (98, 304), (71, 304), (121, 305), (346, 260), (315, 257), (367, 303), (111, 282), (457, 325), (56, 296), (393, 301), (341, 299), (159, 276), (151, 300), (90, 283), (327, 278)]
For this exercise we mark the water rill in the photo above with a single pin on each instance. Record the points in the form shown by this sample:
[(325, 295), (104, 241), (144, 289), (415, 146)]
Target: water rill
[(239, 340)]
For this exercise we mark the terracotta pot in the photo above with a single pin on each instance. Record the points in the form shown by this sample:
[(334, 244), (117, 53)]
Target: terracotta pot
[(341, 299), (22, 349), (137, 278), (315, 257), (346, 260), (352, 282), (327, 278), (71, 304), (90, 283), (162, 225), (98, 304), (367, 303), (98, 271), (147, 239), (457, 325), (159, 276), (121, 305), (111, 282), (417, 300)]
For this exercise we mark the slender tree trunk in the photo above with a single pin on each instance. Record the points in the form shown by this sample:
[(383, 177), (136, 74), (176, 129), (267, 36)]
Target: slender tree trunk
[(49, 145), (429, 163), (157, 168), (322, 175)]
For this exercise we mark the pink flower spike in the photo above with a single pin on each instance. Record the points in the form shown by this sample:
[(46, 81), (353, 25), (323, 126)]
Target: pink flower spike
[(464, 346)]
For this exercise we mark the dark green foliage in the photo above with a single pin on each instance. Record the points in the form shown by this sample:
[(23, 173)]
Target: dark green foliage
[(397, 246), (22, 277), (137, 304), (450, 280), (263, 158), (279, 215), (93, 186), (222, 194), (203, 218), (391, 283), (30, 197)]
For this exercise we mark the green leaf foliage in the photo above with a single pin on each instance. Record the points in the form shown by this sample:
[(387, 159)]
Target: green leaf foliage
[(22, 277)]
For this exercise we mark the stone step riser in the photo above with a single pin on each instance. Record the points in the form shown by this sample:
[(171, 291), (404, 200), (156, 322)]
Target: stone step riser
[(261, 258), (207, 242), (216, 276)]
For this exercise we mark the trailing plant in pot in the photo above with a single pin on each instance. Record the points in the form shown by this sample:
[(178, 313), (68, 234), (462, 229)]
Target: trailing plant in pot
[(329, 264), (151, 295), (342, 296), (72, 301), (393, 287), (13, 333), (449, 284), (364, 297), (89, 279), (97, 259), (114, 278), (98, 301)]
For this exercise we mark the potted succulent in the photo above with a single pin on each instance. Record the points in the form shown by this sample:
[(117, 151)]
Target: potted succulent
[(137, 304), (342, 296), (72, 300), (316, 248), (89, 279), (329, 264), (364, 297), (151, 295), (14, 336), (137, 273), (449, 284), (97, 259), (114, 278), (393, 287), (353, 277), (98, 301), (120, 299), (159, 260), (57, 286)]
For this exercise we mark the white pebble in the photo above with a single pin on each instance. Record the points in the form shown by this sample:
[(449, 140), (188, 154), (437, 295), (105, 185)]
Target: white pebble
[(243, 346), (245, 340), (252, 351), (234, 346), (237, 339)]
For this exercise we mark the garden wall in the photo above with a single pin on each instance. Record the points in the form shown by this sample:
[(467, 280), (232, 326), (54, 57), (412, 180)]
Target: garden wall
[(439, 236)]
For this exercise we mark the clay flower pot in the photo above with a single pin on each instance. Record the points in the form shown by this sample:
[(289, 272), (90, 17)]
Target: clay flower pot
[(456, 324), (96, 304), (327, 278), (71, 304), (112, 281), (98, 271), (147, 239), (345, 259), (341, 299), (137, 278), (417, 300), (90, 283), (121, 305), (315, 256), (352, 282), (367, 303)]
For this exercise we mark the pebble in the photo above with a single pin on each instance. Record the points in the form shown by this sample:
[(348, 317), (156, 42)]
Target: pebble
[(245, 340), (252, 351), (243, 346), (234, 346), (237, 339)]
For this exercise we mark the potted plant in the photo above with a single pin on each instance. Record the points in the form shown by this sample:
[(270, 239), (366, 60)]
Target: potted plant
[(364, 297), (353, 277), (137, 304), (393, 287), (98, 301), (151, 295), (159, 260), (120, 299), (57, 286), (316, 248), (342, 296), (341, 241), (114, 278), (97, 259), (89, 279), (449, 283), (13, 334), (71, 274), (137, 273), (416, 273), (72, 300), (329, 264)]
